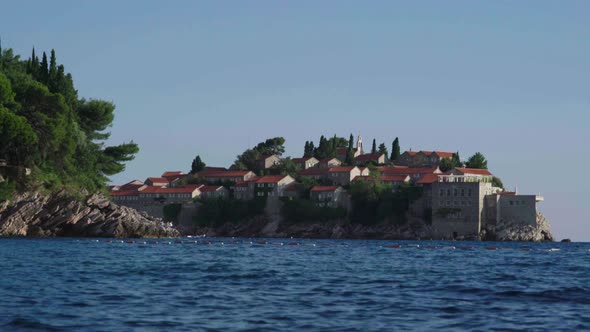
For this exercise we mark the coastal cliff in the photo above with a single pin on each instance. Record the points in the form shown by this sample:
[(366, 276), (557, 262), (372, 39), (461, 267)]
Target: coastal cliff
[(38, 215), (508, 230)]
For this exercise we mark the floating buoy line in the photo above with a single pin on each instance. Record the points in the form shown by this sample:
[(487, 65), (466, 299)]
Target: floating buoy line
[(262, 243)]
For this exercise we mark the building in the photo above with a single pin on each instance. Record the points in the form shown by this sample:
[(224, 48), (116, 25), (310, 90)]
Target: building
[(170, 195), (512, 208), (157, 182), (314, 173), (226, 176), (329, 162), (414, 173), (328, 196), (173, 177), (209, 192), (423, 158), (306, 162), (272, 185), (268, 161), (244, 190), (343, 175), (458, 206), (376, 158)]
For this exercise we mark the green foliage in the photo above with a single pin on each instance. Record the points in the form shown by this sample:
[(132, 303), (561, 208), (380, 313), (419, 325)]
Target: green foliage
[(374, 147), (217, 211), (328, 147), (456, 159), (286, 167), (44, 126), (395, 150), (248, 160), (446, 164), (197, 165), (477, 161), (7, 189), (172, 211), (382, 149), (301, 210), (497, 182), (373, 202), (350, 151)]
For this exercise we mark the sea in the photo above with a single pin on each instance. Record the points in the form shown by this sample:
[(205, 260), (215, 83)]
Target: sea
[(222, 284)]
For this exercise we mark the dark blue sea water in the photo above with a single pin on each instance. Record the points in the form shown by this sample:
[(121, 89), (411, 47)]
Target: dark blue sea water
[(319, 285)]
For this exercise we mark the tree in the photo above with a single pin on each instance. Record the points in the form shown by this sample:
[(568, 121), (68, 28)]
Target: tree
[(383, 149), (374, 147), (95, 116), (197, 165), (395, 150), (350, 151), (306, 151), (477, 161), (497, 182), (248, 160), (286, 167), (456, 159), (44, 70), (446, 164)]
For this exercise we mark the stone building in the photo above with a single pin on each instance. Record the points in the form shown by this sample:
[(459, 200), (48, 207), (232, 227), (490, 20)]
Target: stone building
[(377, 158), (329, 162), (227, 176), (328, 196), (343, 175), (272, 185), (268, 161), (423, 158), (306, 162)]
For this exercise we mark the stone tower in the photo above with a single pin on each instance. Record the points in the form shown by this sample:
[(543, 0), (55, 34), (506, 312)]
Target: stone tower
[(359, 145)]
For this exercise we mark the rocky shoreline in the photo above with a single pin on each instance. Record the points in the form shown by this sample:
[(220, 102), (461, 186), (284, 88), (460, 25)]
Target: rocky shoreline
[(38, 215)]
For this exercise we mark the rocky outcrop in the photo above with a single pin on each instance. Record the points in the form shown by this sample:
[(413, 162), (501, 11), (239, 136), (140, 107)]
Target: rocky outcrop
[(507, 230), (37, 215)]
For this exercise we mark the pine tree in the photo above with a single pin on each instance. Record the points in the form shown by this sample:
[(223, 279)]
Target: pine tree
[(197, 165), (395, 150), (477, 161), (34, 65), (350, 151), (374, 148)]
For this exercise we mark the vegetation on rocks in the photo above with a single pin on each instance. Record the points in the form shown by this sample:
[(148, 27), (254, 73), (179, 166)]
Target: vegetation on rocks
[(47, 128)]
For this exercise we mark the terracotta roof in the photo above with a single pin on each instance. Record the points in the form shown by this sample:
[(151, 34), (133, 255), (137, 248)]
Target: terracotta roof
[(394, 178), (386, 168), (325, 160), (293, 187), (171, 174), (428, 179), (271, 178), (344, 150), (341, 169), (158, 180), (242, 184), (362, 178), (369, 156), (324, 188), (177, 190), (208, 189), (226, 174), (441, 154), (507, 193), (411, 153), (302, 160), (125, 193), (474, 171), (410, 170), (313, 171)]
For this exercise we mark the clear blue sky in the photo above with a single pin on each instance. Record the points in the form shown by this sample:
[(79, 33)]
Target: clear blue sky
[(507, 78)]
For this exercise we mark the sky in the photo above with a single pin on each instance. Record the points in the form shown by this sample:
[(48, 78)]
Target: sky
[(509, 79)]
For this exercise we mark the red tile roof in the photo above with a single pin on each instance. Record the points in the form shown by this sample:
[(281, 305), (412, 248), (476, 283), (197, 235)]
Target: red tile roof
[(343, 150), (362, 178), (411, 153), (226, 174), (189, 188), (409, 170), (314, 171), (158, 180), (294, 187), (474, 171), (271, 178), (341, 169), (301, 160), (208, 189), (171, 174), (324, 188), (394, 178), (125, 193), (428, 179), (369, 157), (441, 154)]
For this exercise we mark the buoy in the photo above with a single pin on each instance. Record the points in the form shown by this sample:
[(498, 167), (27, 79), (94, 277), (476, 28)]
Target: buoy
[(261, 242), (554, 249), (413, 246), (130, 241), (293, 243), (430, 247), (491, 248), (394, 246)]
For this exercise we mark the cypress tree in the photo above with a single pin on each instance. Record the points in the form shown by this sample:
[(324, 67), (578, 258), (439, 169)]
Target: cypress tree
[(44, 70), (52, 69), (383, 149), (456, 159), (34, 64), (395, 150), (374, 148), (349, 151)]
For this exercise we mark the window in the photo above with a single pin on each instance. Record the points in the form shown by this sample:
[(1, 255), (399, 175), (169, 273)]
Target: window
[(511, 202), (448, 192), (462, 192), (469, 192), (455, 192), (442, 192)]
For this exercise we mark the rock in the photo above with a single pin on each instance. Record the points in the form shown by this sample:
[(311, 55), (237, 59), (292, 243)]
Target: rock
[(507, 230), (566, 240), (35, 215)]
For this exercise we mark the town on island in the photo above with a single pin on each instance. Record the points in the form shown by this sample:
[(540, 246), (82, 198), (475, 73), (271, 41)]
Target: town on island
[(339, 180)]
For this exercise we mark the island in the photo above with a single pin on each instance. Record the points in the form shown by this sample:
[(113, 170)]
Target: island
[(55, 167)]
